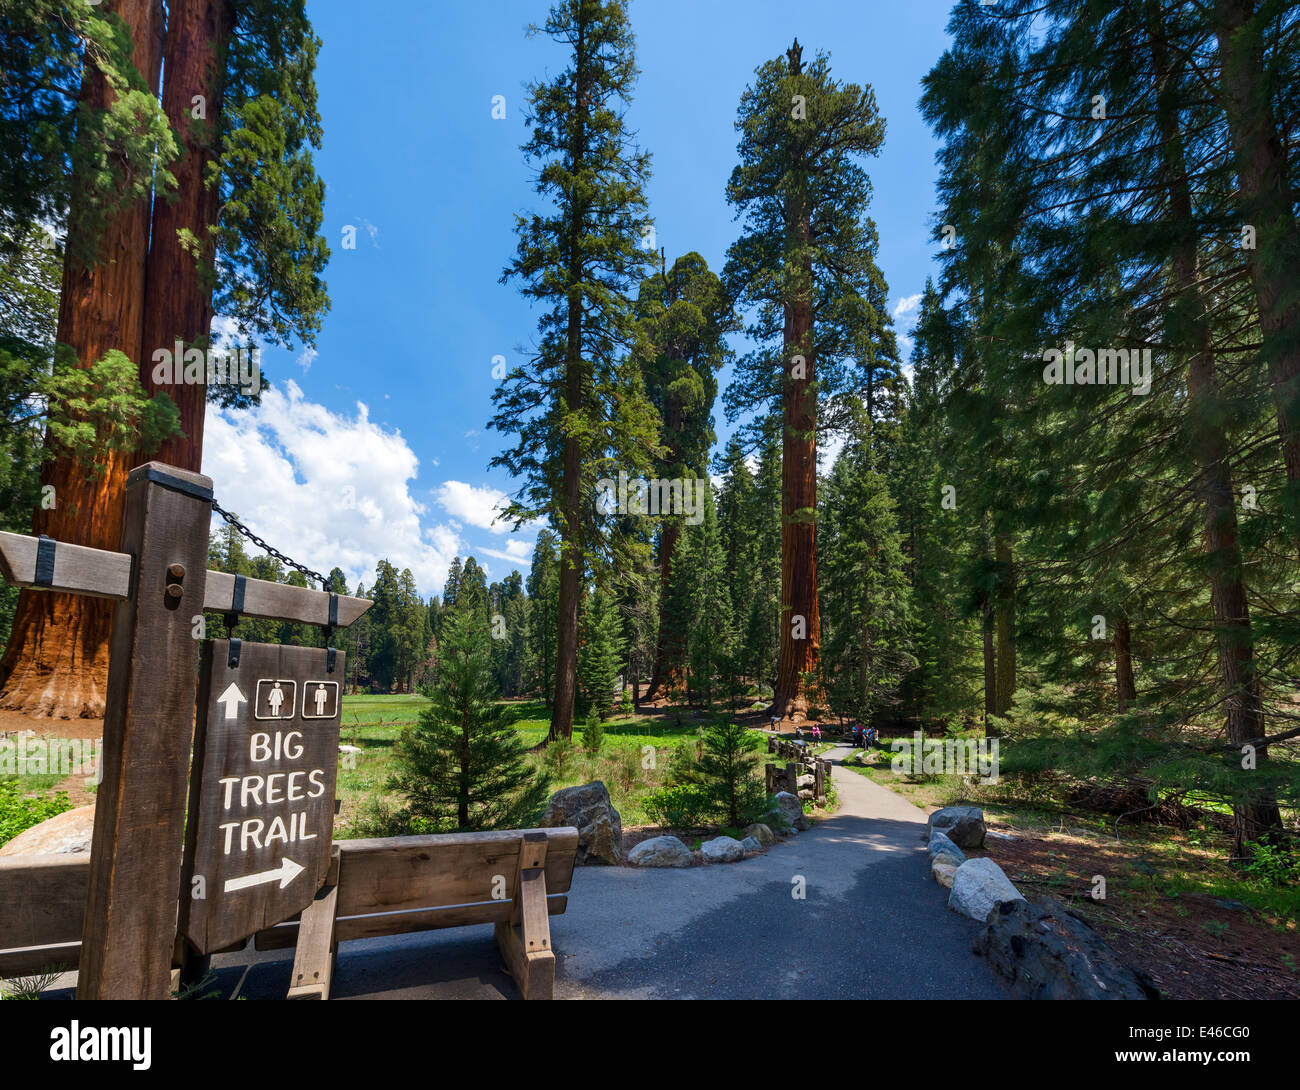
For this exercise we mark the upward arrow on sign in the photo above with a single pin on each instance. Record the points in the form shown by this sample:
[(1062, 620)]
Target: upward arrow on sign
[(231, 699)]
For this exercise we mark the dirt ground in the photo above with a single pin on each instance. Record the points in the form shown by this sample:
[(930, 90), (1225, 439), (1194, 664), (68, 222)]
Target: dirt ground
[(1193, 946)]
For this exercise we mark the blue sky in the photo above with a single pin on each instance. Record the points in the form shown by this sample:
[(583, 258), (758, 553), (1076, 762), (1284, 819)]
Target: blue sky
[(375, 444)]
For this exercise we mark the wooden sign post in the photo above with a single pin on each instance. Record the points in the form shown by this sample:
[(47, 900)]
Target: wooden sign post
[(162, 586), (262, 788), (135, 855)]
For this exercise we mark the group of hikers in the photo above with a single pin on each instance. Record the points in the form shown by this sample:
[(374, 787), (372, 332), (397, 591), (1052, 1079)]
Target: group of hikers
[(859, 735)]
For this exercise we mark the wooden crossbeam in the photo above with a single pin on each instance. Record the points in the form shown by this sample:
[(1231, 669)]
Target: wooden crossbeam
[(100, 573), (280, 601), (77, 569)]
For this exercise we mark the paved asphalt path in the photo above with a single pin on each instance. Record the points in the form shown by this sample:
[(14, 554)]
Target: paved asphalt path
[(873, 925)]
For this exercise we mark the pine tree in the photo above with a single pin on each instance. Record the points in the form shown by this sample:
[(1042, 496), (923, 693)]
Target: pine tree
[(600, 655), (580, 398), (864, 587), (463, 767), (728, 771), (806, 264), (543, 596), (683, 316)]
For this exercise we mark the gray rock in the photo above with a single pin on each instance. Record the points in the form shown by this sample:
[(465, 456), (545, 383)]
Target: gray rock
[(761, 833), (948, 858), (789, 811), (751, 844), (722, 849), (587, 808), (964, 825), (661, 851), (978, 886), (1047, 952), (942, 843), (942, 871), (808, 780)]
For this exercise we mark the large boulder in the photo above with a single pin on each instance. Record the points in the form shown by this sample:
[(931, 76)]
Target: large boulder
[(941, 844), (1047, 952), (661, 851), (722, 849), (588, 809), (761, 833), (978, 886), (751, 845), (789, 811), (68, 833), (963, 825)]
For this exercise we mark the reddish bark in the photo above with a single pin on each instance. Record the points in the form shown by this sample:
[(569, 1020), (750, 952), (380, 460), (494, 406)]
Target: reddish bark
[(179, 286), (799, 659), (56, 662)]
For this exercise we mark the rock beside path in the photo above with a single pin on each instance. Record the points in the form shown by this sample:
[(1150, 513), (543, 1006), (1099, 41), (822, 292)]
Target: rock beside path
[(588, 809), (761, 833), (978, 886), (661, 851), (1047, 952), (963, 825), (790, 811), (722, 849)]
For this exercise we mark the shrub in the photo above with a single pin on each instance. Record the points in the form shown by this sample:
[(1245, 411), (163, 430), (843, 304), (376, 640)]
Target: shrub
[(19, 812), (681, 805), (559, 756)]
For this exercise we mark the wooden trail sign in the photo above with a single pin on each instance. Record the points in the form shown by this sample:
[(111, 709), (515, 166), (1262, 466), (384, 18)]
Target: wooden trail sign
[(261, 818)]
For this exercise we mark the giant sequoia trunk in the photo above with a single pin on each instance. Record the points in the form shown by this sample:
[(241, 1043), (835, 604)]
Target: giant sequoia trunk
[(800, 651), (56, 663), (1239, 680), (179, 286), (1262, 174)]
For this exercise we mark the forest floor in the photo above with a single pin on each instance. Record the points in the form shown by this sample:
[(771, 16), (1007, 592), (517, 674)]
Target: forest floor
[(1173, 905)]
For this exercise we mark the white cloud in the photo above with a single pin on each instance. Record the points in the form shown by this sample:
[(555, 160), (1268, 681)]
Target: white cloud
[(307, 358), (517, 552), (905, 309), (906, 306), (477, 506), (326, 488)]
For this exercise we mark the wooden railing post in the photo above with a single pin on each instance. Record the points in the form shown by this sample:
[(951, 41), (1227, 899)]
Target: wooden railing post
[(135, 860)]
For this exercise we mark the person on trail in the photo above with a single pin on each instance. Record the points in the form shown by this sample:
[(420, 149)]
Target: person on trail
[(857, 735), (816, 732)]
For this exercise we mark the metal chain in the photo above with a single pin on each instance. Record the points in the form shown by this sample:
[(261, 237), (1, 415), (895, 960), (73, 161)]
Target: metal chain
[(325, 583)]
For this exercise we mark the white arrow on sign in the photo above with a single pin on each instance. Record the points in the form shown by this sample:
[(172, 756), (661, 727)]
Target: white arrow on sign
[(286, 872), (232, 698)]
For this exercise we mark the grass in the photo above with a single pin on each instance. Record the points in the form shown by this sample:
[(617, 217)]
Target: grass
[(1174, 862), (624, 764)]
